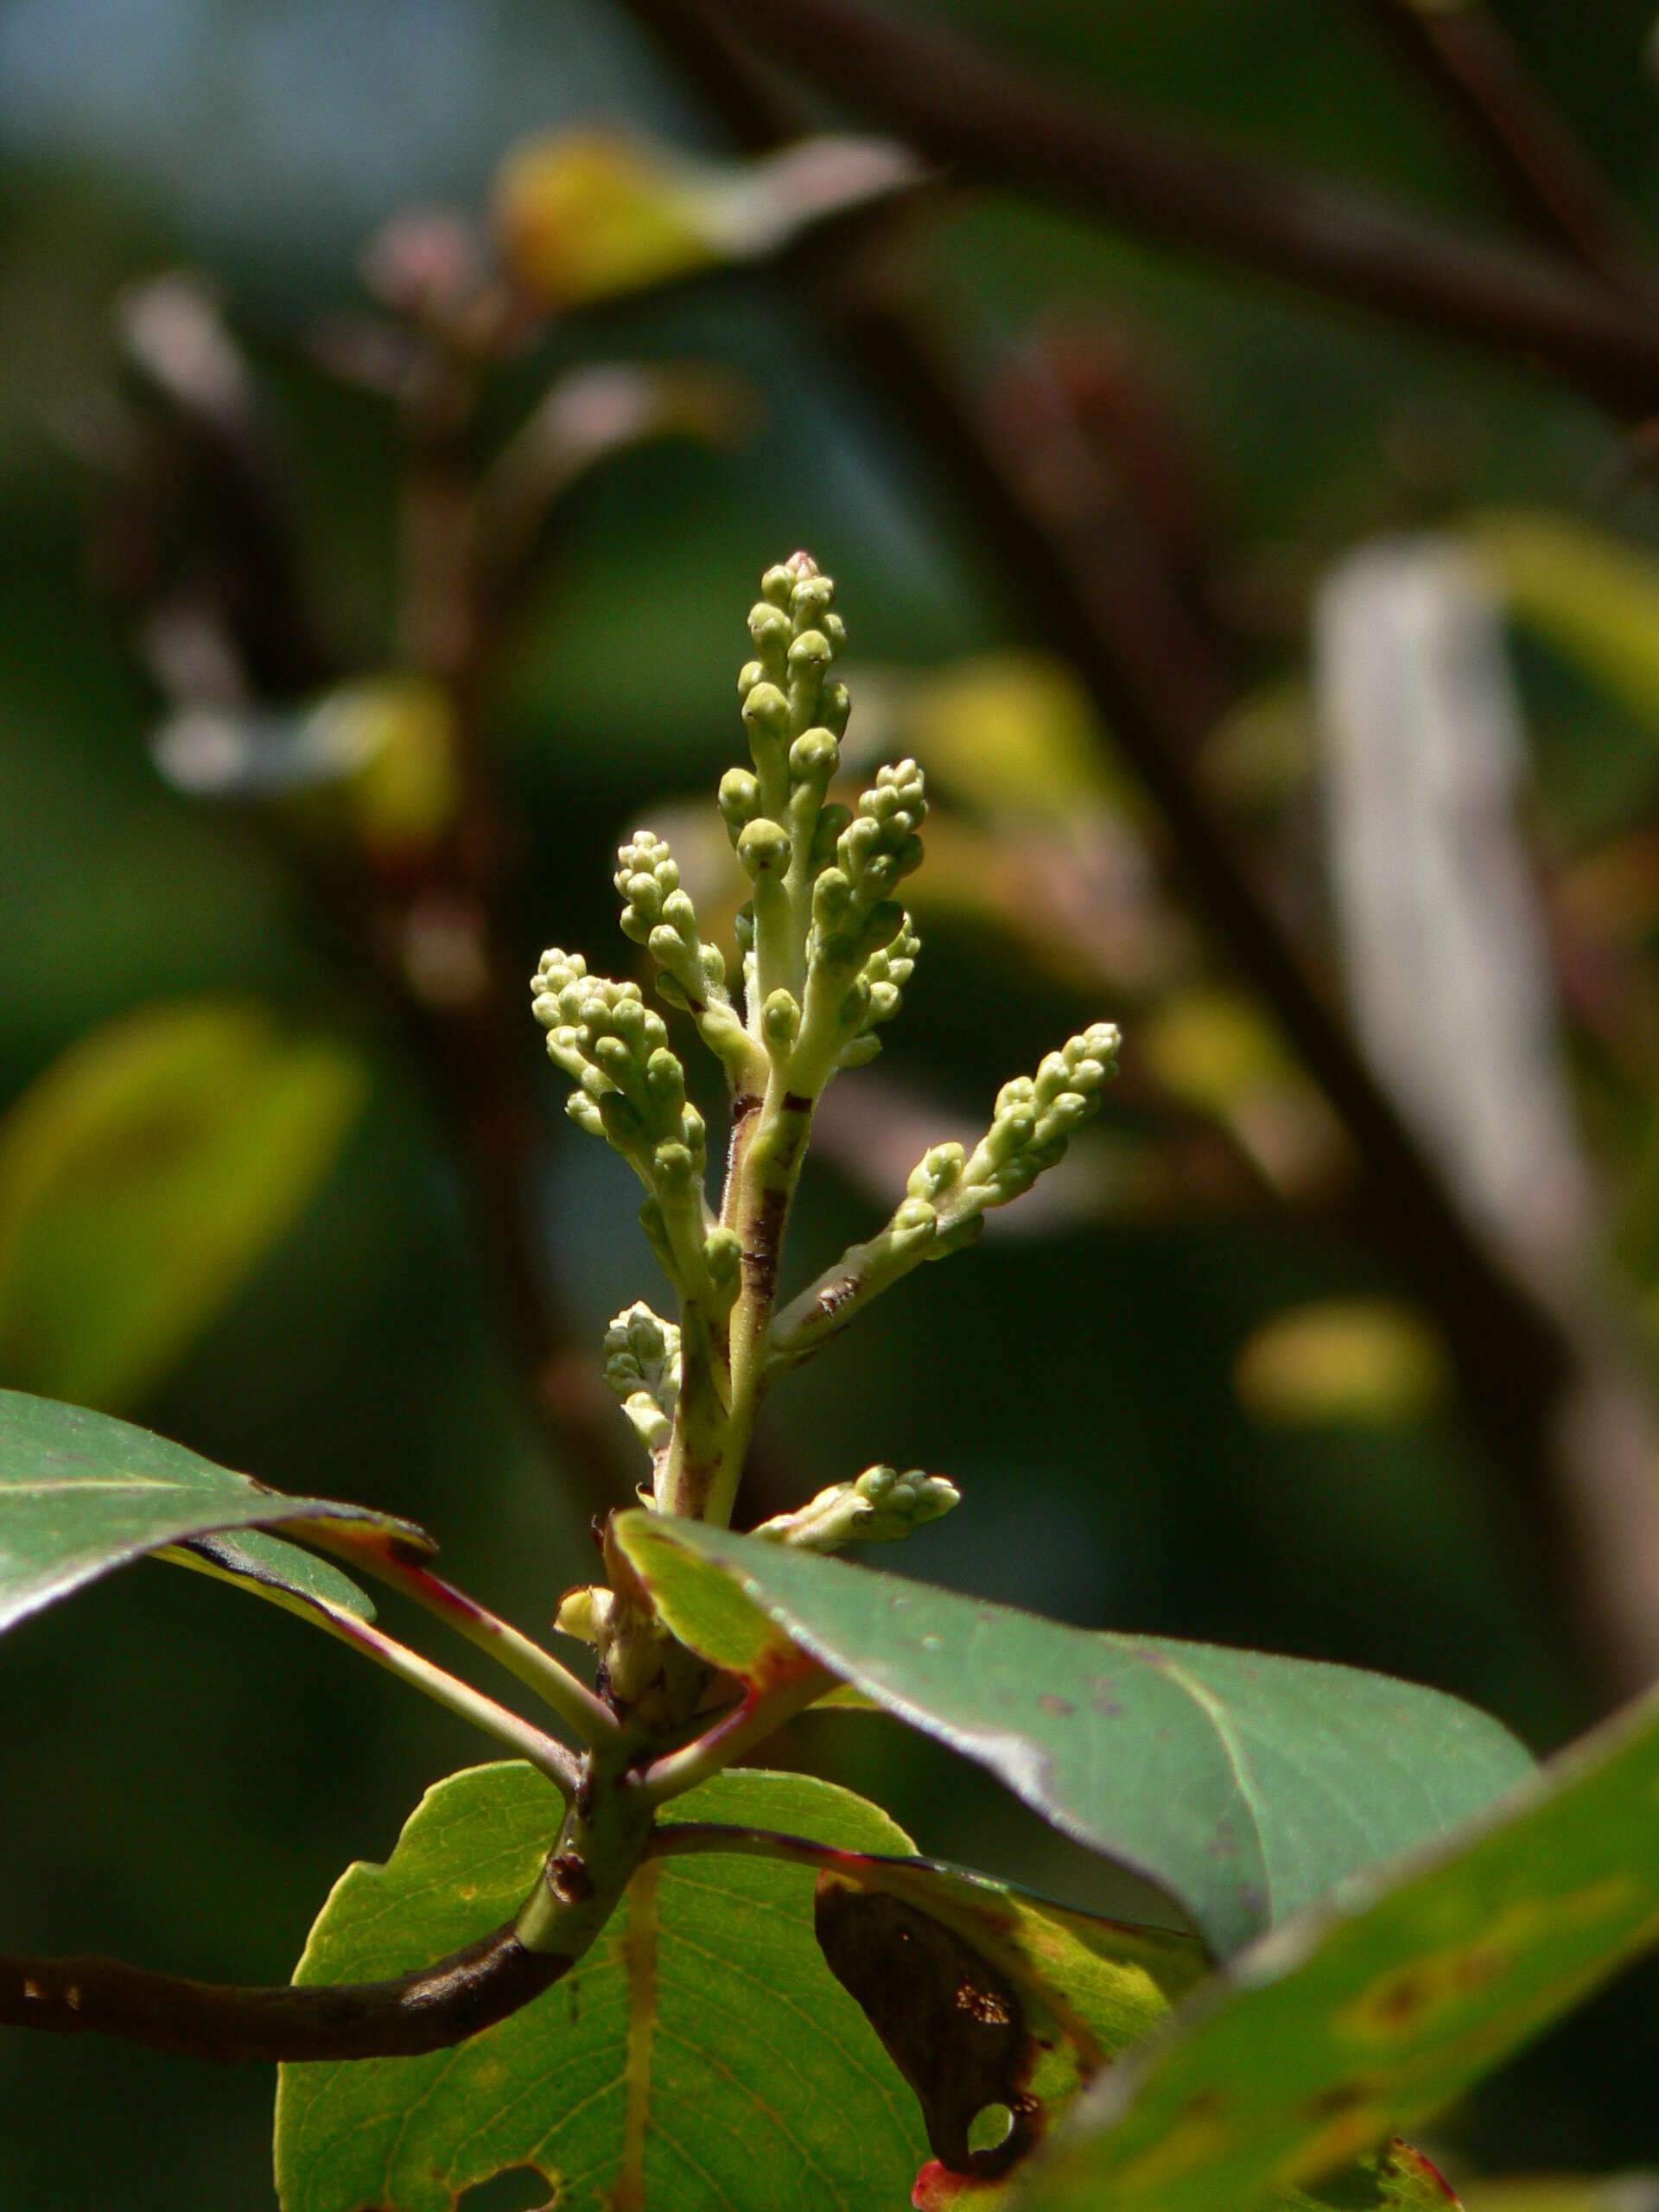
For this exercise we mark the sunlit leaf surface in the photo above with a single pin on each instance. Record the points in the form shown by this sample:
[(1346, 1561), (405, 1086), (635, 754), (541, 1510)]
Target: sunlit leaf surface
[(1244, 1785)]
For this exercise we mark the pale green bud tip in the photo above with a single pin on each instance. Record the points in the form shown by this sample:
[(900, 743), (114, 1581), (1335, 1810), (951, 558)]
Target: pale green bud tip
[(769, 627), (639, 1348), (780, 1018), (763, 847), (880, 1507), (939, 1166), (739, 799), (811, 649), (814, 757), (906, 1500), (765, 711), (556, 975), (586, 1614), (722, 1254)]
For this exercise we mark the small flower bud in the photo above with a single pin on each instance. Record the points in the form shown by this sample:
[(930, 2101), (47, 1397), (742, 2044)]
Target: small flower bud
[(780, 1020), (763, 847), (769, 626), (814, 757)]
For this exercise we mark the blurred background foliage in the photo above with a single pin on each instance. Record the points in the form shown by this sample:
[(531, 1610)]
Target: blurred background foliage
[(398, 400)]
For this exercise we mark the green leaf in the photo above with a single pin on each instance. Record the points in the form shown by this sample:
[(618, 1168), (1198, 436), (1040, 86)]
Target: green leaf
[(987, 1997), (80, 1493), (1371, 2013), (267, 1565), (1595, 597), (142, 1178), (700, 2056), (1244, 1785)]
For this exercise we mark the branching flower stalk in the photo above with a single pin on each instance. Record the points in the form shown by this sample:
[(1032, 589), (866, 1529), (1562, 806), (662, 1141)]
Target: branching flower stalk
[(825, 950)]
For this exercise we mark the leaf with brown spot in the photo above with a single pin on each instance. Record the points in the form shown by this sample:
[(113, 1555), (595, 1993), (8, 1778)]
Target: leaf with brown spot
[(1242, 1784), (1367, 2015), (700, 2058)]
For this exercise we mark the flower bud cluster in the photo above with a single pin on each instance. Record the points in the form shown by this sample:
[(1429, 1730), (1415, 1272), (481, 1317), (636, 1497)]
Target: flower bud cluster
[(630, 1088), (1035, 1115), (642, 1365), (659, 914), (880, 1507), (949, 1191)]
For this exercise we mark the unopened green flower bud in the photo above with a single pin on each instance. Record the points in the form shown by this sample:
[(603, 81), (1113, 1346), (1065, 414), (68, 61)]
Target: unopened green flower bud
[(766, 713), (586, 1614), (814, 757), (811, 650), (880, 1507), (939, 1166), (763, 847), (739, 799), (723, 1254), (832, 898), (780, 1020), (769, 626), (809, 600)]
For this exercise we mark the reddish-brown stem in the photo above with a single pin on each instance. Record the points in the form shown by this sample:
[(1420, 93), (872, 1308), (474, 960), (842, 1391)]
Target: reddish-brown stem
[(428, 2010)]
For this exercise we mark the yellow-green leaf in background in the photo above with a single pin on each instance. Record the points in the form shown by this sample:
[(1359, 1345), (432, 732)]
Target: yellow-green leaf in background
[(1007, 734), (580, 215), (1345, 1359), (142, 1178), (372, 763), (1591, 596)]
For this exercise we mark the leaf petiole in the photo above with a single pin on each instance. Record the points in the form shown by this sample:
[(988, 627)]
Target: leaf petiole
[(521, 1737), (738, 1730), (587, 1716)]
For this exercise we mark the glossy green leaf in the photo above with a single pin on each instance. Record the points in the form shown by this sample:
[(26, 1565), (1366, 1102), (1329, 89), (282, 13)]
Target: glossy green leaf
[(1244, 1785), (1369, 2014), (81, 1493), (701, 2058), (267, 1565), (143, 1176)]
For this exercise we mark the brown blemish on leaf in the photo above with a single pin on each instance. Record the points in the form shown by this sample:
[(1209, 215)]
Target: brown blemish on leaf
[(951, 2022), (1058, 1707), (1404, 2001)]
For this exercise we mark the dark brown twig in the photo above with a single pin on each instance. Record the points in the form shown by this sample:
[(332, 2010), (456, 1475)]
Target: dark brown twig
[(428, 2010), (1474, 65), (996, 122)]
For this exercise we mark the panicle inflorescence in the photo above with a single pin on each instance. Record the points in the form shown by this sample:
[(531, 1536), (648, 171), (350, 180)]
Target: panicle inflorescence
[(827, 952)]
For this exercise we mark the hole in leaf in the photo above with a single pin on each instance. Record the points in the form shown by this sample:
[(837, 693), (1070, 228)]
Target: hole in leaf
[(519, 2189), (990, 2125)]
